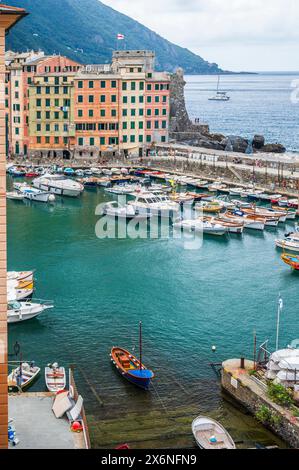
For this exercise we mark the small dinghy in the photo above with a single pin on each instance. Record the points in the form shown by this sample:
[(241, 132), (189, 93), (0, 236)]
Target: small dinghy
[(23, 376), (130, 367), (20, 275), (15, 196), (209, 434), (55, 377), (34, 194)]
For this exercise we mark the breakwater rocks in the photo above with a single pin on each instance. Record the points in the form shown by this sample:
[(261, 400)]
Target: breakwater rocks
[(183, 130)]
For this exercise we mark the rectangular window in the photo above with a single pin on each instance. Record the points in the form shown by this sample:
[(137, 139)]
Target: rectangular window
[(149, 99), (141, 86), (133, 99), (102, 140), (81, 141), (156, 124), (48, 102), (38, 115), (125, 99), (39, 140), (80, 98), (38, 90), (56, 140), (149, 87), (102, 113), (132, 125), (80, 84), (56, 80), (156, 99), (148, 124), (65, 90), (103, 84), (156, 86), (133, 112), (140, 112), (164, 111), (48, 127), (90, 84), (38, 127), (163, 138), (148, 112), (91, 141), (140, 125), (56, 127), (103, 98), (80, 112), (156, 112), (56, 102), (65, 127), (133, 86), (56, 90), (125, 125), (140, 138), (48, 114), (124, 86), (132, 138), (65, 140), (48, 90), (141, 99), (125, 139), (125, 112), (90, 112), (113, 98), (38, 102), (164, 124), (113, 84), (113, 112), (47, 139), (164, 99), (56, 115)]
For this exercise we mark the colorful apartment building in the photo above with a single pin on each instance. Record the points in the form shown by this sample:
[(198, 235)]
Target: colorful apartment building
[(23, 71), (8, 17), (114, 105), (59, 108)]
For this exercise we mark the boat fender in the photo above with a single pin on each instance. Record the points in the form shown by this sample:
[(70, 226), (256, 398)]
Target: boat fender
[(76, 426)]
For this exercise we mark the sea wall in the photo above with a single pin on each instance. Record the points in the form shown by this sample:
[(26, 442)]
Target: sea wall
[(245, 389)]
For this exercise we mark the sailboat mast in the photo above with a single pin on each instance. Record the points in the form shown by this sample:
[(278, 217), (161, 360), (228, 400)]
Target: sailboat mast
[(218, 83), (140, 345)]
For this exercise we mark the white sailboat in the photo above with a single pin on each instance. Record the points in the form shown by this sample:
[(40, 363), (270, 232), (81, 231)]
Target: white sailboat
[(220, 95)]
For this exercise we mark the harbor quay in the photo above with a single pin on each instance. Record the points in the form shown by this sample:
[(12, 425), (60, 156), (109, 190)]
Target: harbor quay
[(238, 379)]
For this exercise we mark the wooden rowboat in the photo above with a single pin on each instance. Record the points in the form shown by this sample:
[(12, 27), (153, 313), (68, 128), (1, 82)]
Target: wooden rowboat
[(55, 378), (291, 260), (209, 434), (23, 376), (130, 367)]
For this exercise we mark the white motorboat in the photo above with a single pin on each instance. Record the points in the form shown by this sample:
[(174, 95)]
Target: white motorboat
[(79, 173), (59, 185), (127, 212), (34, 194), (55, 377), (235, 191), (159, 205), (107, 172), (250, 222), (20, 275), (241, 204), (122, 189), (288, 243), (96, 171), (116, 171), (15, 196), (201, 226), (209, 434), (21, 311)]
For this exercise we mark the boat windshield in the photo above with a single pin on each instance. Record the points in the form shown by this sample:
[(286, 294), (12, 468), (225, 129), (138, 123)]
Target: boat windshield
[(14, 305)]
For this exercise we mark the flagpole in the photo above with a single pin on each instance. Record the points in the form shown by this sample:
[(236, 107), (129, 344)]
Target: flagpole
[(278, 321)]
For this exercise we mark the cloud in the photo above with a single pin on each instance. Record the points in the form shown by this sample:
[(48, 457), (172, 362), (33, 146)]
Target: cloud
[(201, 24)]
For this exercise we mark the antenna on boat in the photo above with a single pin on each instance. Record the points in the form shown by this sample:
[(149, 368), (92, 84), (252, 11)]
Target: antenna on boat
[(140, 345)]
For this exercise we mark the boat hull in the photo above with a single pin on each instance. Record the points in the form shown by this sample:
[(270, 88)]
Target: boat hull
[(141, 377)]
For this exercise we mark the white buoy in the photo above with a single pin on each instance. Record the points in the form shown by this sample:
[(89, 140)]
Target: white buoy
[(214, 348)]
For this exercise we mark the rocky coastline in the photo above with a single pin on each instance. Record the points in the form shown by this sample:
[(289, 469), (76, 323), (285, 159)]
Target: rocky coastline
[(184, 131)]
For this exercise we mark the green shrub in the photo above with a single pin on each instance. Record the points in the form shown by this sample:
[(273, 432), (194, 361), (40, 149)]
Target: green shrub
[(266, 416), (280, 395)]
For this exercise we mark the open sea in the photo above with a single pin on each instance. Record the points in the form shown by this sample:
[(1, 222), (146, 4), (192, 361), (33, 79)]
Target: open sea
[(265, 104), (187, 300)]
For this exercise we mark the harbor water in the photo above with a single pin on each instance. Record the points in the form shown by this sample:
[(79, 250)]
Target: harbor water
[(266, 103), (188, 301)]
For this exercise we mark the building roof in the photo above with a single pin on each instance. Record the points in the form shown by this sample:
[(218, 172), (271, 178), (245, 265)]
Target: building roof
[(13, 11)]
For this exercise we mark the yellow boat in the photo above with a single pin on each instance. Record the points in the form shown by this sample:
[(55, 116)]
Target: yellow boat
[(210, 207)]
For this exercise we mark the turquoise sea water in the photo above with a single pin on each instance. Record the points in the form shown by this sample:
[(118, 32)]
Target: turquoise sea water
[(259, 104), (187, 300)]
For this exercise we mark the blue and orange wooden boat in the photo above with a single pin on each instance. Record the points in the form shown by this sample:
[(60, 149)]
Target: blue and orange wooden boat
[(291, 260), (130, 367)]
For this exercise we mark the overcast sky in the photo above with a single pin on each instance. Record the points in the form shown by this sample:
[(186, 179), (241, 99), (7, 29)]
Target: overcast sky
[(257, 35)]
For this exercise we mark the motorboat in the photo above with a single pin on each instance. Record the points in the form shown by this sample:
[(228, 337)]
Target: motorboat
[(87, 172), (122, 189), (59, 185), (212, 207), (291, 260), (156, 205), (184, 199), (201, 226), (126, 212), (15, 196), (272, 218), (235, 191), (22, 376), (34, 194), (290, 213), (241, 204), (21, 311), (79, 173), (209, 434), (69, 172), (18, 294), (16, 171), (231, 226), (107, 171), (55, 377), (288, 243)]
